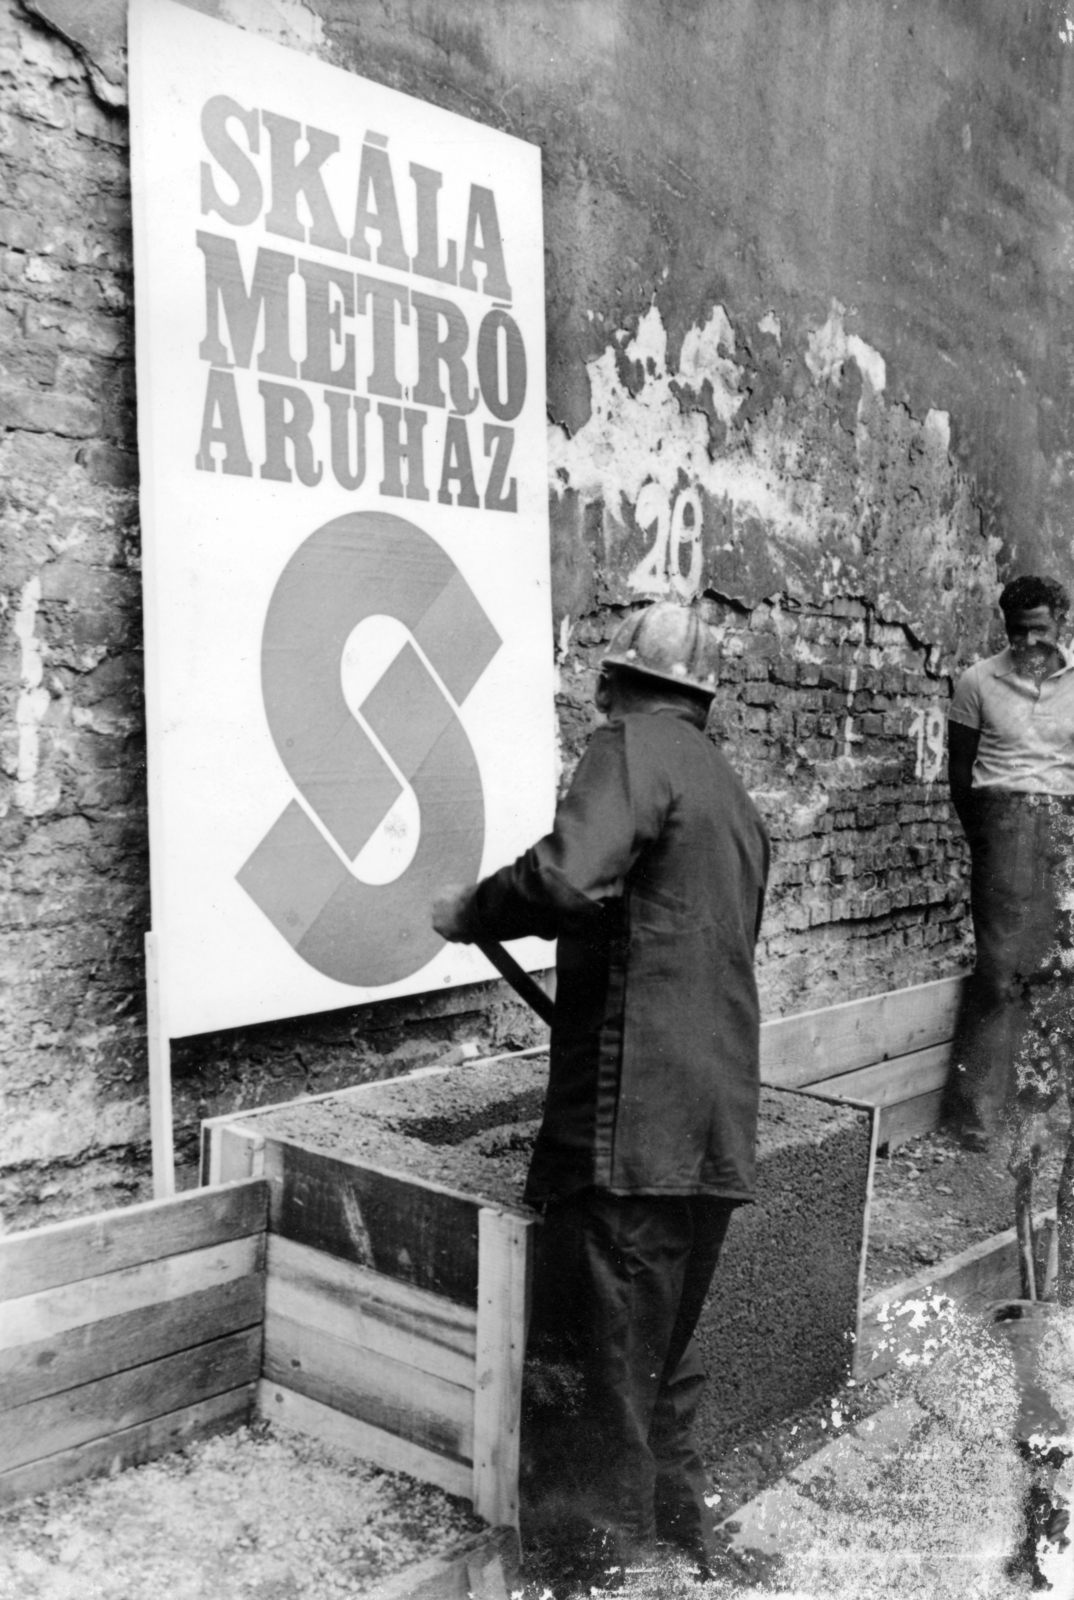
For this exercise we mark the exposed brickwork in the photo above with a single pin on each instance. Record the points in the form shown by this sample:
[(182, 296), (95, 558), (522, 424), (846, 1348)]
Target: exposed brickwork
[(816, 704), (72, 792), (817, 712)]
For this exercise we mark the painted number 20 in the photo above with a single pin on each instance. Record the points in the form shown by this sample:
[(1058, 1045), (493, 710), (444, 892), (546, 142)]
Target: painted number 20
[(677, 540)]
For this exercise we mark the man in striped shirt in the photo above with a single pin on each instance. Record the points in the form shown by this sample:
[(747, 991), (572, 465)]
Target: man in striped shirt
[(1011, 765)]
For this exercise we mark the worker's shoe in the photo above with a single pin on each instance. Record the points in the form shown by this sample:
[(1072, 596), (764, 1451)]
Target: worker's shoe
[(691, 1532), (972, 1136), (607, 1562), (963, 1120)]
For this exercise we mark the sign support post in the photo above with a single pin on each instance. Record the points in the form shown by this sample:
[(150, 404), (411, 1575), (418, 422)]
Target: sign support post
[(160, 1075)]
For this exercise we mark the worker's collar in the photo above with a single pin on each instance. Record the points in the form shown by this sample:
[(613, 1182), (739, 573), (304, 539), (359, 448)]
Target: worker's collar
[(663, 709), (1005, 667)]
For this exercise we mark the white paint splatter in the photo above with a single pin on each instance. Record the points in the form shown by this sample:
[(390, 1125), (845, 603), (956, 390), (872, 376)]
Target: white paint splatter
[(938, 427), (32, 704), (870, 362), (650, 342), (770, 323), (830, 346), (850, 738), (700, 358), (915, 1310), (625, 443)]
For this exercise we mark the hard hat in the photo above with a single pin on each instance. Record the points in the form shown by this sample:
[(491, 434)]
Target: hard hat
[(670, 642)]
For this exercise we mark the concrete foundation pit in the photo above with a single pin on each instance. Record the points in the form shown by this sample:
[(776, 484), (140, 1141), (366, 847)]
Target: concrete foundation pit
[(779, 1326)]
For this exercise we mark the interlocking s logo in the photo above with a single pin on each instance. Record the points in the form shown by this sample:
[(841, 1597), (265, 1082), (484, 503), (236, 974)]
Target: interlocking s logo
[(368, 564)]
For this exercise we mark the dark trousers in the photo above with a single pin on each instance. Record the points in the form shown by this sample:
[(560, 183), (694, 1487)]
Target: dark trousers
[(1015, 1032), (619, 1285)]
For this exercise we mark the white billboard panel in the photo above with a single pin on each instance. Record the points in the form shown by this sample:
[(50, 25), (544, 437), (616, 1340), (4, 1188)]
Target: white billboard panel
[(340, 329)]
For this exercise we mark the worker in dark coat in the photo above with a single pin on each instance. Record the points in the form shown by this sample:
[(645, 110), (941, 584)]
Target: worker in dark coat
[(652, 881)]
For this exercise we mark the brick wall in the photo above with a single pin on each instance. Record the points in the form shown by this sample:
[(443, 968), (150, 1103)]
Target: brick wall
[(72, 793), (819, 699), (819, 712)]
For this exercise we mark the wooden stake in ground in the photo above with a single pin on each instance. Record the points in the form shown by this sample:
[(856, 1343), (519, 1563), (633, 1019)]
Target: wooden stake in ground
[(160, 1075), (1064, 1225)]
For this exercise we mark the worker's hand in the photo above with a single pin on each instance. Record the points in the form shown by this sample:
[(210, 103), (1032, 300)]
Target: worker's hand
[(449, 910)]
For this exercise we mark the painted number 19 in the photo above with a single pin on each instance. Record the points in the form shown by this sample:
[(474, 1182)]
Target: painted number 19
[(929, 727), (676, 542)]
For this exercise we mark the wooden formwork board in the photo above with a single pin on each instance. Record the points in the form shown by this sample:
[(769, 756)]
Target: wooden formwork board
[(813, 1046), (390, 1394), (975, 1280), (889, 1050), (889, 1083), (385, 1315), (504, 1275), (127, 1332), (907, 1091), (488, 1570), (291, 1409), (395, 1315), (130, 1447), (421, 1233), (918, 1113)]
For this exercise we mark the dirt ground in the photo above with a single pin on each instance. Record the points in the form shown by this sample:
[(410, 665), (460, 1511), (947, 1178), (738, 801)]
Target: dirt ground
[(258, 1514), (932, 1199), (262, 1514)]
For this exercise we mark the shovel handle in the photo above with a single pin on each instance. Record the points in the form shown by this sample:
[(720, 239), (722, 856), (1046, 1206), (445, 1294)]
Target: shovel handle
[(521, 982)]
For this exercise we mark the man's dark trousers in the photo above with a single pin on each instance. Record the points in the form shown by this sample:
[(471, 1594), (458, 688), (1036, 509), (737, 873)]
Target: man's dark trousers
[(620, 1283), (1013, 1039)]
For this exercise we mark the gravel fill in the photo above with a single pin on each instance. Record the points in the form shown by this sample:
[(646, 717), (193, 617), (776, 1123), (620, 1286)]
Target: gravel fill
[(473, 1128), (257, 1514)]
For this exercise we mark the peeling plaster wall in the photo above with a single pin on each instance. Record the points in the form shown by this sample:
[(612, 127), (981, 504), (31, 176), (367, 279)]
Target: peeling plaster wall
[(838, 549), (755, 470), (810, 276)]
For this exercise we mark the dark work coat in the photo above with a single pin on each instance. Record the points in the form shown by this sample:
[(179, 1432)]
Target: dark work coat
[(652, 880)]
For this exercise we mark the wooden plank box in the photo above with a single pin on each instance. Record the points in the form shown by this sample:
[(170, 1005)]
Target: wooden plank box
[(395, 1309), (128, 1333), (399, 1259)]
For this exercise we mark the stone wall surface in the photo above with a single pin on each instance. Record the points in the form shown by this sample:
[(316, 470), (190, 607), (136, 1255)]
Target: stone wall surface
[(810, 274)]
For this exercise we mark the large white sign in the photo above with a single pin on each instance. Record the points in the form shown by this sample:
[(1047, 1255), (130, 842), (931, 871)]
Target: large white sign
[(340, 330)]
